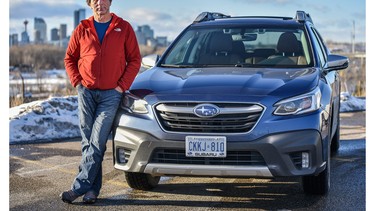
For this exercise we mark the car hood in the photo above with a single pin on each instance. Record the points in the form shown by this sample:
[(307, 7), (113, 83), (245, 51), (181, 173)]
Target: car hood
[(226, 81)]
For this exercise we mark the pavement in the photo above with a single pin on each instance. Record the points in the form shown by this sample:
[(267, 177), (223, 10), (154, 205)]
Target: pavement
[(39, 172), (353, 125)]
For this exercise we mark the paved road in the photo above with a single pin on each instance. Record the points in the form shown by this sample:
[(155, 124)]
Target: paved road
[(39, 172)]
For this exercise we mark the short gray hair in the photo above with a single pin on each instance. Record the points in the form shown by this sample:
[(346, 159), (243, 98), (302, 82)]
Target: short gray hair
[(89, 1)]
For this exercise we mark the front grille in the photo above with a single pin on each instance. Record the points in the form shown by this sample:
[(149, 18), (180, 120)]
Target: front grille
[(234, 158), (232, 118)]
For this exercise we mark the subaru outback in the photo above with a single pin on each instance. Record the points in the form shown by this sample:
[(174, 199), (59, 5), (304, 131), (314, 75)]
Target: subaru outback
[(234, 97)]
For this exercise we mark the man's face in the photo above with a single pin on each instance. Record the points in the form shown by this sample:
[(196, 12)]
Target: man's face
[(100, 7)]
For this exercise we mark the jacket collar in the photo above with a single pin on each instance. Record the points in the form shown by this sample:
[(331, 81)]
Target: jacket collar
[(89, 23)]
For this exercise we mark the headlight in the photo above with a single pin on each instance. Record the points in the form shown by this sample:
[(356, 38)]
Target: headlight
[(133, 104), (300, 104)]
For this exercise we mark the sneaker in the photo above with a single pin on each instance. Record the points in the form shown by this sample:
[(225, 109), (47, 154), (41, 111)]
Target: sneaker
[(90, 197), (68, 196)]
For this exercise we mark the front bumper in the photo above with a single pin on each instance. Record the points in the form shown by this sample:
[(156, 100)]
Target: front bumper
[(280, 155)]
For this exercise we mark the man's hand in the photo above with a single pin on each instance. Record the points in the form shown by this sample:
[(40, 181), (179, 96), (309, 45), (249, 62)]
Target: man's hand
[(119, 89)]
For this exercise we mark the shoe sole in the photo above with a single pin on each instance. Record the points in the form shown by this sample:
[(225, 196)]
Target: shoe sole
[(89, 201)]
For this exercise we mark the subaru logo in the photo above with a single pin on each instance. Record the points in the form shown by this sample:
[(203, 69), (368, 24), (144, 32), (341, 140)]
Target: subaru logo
[(206, 110)]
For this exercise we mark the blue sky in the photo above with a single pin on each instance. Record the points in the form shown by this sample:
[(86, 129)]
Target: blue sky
[(333, 18)]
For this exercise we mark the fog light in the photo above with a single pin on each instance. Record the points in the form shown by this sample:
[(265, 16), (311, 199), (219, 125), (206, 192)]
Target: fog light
[(121, 156), (305, 160)]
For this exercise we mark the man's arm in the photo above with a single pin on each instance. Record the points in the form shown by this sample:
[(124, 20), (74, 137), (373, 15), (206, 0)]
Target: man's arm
[(133, 60), (71, 59)]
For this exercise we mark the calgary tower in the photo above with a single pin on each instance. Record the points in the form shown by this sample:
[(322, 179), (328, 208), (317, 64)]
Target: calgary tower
[(25, 23)]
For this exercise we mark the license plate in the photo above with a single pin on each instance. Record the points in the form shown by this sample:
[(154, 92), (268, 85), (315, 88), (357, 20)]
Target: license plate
[(206, 146)]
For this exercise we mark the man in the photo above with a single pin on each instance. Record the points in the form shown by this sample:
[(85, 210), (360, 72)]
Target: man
[(102, 60)]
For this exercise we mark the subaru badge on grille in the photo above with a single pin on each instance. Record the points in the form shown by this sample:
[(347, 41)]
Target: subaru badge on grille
[(206, 110)]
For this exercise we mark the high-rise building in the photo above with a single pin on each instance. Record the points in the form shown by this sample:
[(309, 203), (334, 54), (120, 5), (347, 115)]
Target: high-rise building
[(40, 30), (147, 31), (25, 39), (144, 34), (55, 34), (13, 40), (37, 37), (62, 31), (78, 16)]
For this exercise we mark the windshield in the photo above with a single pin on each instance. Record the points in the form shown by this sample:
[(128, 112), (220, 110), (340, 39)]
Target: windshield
[(241, 46)]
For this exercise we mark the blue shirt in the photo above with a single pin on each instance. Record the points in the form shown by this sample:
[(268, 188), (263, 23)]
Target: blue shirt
[(101, 28)]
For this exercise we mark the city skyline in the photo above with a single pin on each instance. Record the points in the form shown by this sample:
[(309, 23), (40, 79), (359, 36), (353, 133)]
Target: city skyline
[(336, 20), (58, 36)]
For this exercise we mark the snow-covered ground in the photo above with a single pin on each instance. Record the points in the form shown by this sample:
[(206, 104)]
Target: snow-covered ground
[(57, 119), (353, 104)]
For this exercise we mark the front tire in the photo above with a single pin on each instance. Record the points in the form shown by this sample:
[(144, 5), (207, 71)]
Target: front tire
[(320, 184), (141, 181), (335, 142)]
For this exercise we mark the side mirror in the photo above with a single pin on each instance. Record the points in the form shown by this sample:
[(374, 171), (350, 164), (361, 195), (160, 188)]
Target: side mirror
[(336, 62), (149, 61)]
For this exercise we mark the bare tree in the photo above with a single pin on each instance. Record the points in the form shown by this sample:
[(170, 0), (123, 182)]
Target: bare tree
[(41, 57)]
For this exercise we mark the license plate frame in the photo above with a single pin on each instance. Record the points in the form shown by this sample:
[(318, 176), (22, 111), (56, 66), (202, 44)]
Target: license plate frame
[(206, 146)]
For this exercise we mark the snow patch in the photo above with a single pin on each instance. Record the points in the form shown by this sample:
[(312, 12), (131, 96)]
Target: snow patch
[(55, 118), (352, 103)]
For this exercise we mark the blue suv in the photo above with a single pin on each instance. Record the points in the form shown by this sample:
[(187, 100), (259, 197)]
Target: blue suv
[(234, 97)]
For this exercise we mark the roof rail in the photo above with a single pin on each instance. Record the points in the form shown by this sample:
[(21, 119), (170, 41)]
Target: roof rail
[(209, 16), (302, 16)]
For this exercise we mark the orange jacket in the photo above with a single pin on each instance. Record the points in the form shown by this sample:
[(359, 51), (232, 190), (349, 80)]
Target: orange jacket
[(113, 63)]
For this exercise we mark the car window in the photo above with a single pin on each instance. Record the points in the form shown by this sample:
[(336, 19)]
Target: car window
[(321, 41), (179, 54), (274, 47), (321, 49)]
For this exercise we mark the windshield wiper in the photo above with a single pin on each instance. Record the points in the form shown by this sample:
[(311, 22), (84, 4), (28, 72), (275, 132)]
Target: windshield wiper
[(244, 65), (206, 65), (177, 66)]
